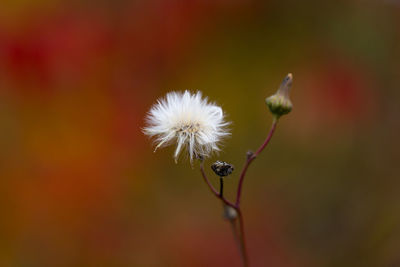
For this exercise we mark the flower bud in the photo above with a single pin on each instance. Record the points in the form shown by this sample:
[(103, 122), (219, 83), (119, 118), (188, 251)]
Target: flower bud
[(222, 168), (230, 213), (279, 104)]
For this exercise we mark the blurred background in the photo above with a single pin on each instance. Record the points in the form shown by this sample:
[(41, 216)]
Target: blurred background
[(80, 186)]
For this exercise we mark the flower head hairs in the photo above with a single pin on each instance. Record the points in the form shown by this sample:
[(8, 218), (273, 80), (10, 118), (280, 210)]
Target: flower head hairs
[(189, 120), (197, 125)]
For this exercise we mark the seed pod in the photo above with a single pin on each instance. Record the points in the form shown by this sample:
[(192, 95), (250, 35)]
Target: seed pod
[(222, 168)]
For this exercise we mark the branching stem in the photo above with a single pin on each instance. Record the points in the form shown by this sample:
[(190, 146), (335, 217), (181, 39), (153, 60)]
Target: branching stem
[(250, 159), (213, 190), (236, 205)]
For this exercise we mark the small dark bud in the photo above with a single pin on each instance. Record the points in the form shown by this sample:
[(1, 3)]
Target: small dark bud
[(222, 168)]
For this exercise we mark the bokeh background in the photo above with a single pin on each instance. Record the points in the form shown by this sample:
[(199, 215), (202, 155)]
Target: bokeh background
[(80, 186)]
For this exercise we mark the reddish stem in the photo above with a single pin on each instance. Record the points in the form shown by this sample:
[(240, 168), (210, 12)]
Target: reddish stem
[(242, 242), (236, 205), (250, 158), (215, 192), (242, 239)]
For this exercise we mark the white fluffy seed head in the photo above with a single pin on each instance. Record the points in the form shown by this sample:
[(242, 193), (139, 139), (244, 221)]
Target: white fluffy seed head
[(190, 121)]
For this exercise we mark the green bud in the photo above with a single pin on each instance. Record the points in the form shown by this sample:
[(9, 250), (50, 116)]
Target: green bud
[(279, 104)]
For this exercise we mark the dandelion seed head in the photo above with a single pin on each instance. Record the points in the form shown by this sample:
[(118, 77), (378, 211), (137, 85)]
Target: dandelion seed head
[(189, 120)]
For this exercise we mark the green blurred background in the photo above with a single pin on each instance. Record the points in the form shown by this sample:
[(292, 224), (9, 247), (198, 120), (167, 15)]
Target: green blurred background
[(80, 186)]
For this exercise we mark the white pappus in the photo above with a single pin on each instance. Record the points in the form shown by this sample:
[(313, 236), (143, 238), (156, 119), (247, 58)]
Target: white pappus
[(190, 121)]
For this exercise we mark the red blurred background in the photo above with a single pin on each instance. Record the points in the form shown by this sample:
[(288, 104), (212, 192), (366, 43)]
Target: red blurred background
[(80, 185)]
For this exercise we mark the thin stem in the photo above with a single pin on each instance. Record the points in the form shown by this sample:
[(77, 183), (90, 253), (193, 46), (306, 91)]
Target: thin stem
[(243, 248), (235, 234), (236, 205), (250, 158), (213, 190), (221, 187), (242, 242)]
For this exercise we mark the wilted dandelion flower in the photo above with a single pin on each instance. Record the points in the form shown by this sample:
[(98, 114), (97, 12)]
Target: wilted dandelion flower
[(190, 121)]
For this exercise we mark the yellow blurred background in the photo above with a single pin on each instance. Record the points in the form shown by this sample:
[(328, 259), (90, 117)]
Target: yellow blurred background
[(80, 186)]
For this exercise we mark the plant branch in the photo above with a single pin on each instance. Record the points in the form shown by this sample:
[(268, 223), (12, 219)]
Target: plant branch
[(235, 234), (250, 158), (213, 190), (242, 239), (236, 205), (221, 187)]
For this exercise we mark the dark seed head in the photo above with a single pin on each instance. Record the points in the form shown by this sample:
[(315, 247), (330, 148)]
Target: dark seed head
[(222, 168)]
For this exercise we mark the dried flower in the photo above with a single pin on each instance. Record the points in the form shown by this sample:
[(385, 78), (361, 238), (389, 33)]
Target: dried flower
[(222, 168), (279, 104), (190, 121)]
